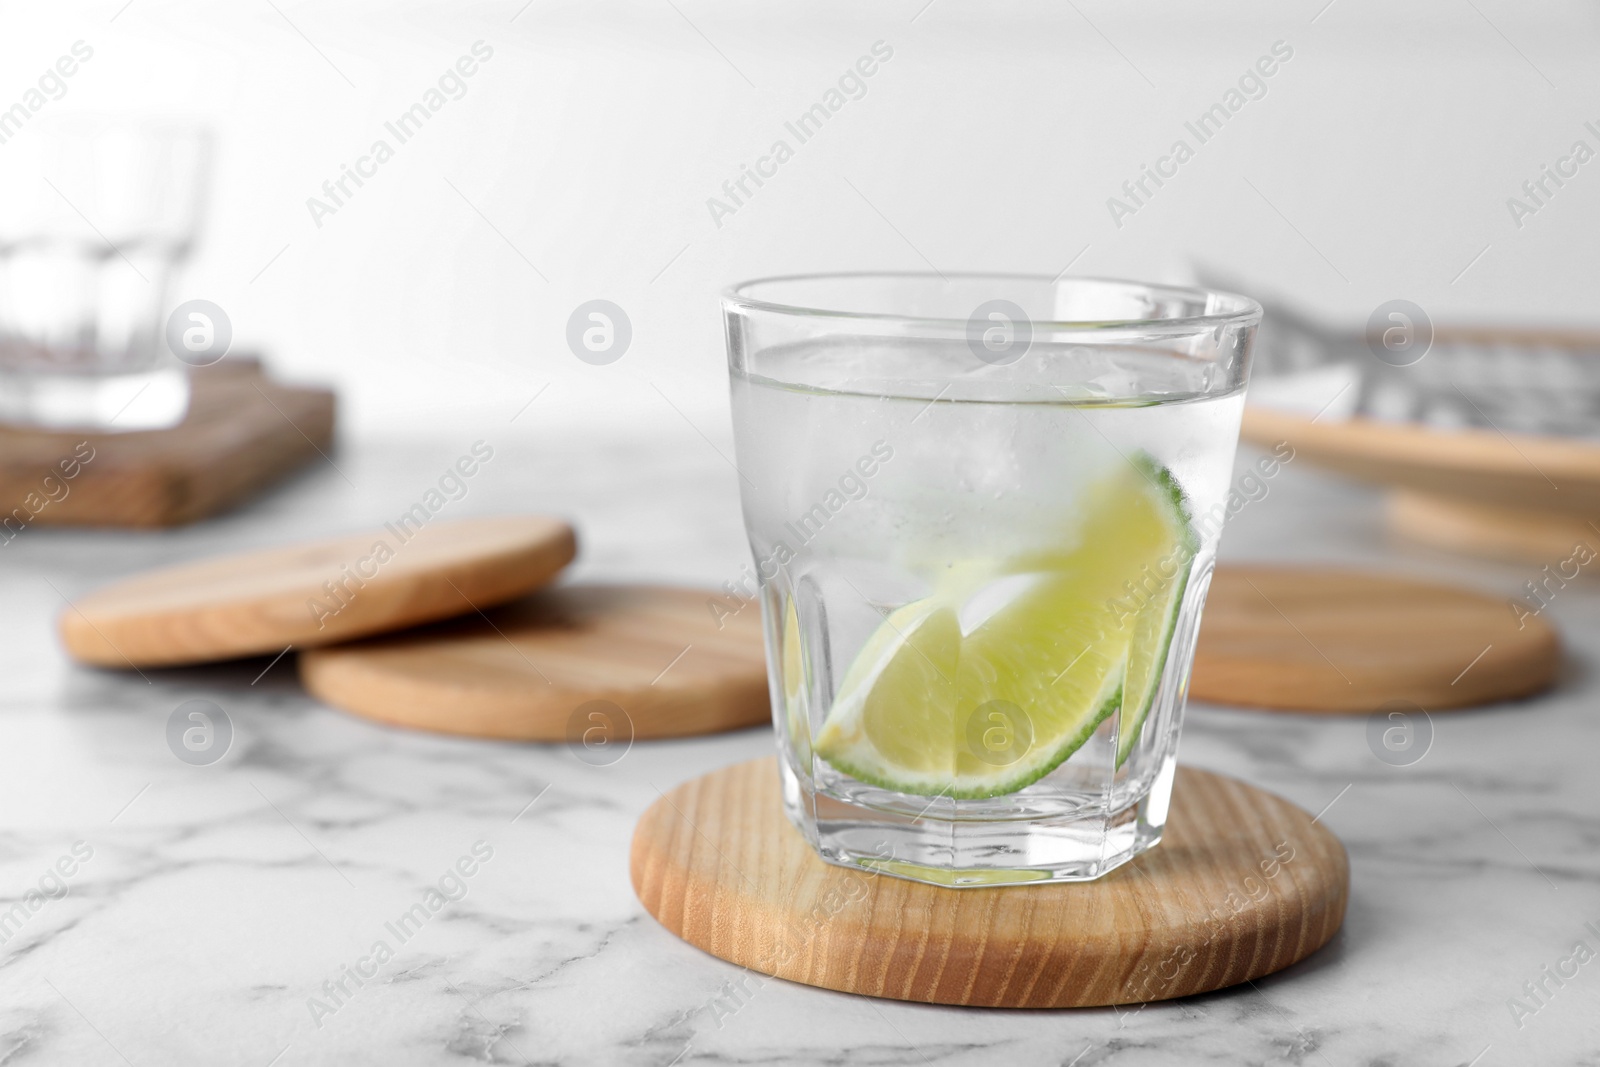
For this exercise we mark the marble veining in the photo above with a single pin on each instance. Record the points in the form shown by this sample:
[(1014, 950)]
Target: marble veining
[(219, 905)]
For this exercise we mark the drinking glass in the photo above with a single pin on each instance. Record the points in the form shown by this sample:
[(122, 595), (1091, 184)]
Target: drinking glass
[(96, 214), (984, 512)]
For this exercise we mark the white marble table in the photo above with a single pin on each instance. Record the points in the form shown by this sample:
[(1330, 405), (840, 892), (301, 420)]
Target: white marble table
[(217, 901)]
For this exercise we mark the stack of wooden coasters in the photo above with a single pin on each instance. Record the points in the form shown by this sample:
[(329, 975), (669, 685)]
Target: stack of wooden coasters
[(455, 627), (505, 656)]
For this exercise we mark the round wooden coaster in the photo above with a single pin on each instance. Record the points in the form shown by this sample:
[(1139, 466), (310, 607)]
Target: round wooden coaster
[(1344, 641), (593, 665), (1243, 884), (314, 593)]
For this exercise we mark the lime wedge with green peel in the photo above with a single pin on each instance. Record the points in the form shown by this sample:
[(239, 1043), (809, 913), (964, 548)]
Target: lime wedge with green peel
[(988, 684), (1152, 603)]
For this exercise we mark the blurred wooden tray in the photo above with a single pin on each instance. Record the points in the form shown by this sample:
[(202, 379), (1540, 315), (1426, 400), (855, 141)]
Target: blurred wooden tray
[(1549, 474), (1510, 495), (1462, 525), (1518, 496), (243, 433)]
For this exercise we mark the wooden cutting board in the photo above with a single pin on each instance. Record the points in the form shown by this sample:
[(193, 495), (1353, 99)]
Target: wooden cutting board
[(1243, 884), (586, 663), (315, 593), (242, 434), (1345, 641)]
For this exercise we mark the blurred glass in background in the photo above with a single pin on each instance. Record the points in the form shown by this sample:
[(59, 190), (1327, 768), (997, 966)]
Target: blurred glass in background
[(96, 214)]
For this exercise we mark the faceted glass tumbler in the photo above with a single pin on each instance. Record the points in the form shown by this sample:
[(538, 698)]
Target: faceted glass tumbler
[(984, 512), (96, 215)]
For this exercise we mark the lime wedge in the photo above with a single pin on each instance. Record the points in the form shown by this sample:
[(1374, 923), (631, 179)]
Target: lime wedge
[(1155, 603), (988, 684)]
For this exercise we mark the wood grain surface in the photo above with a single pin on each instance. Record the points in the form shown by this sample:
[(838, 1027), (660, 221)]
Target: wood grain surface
[(1525, 535), (315, 593), (242, 434), (1345, 641), (1243, 884), (607, 663)]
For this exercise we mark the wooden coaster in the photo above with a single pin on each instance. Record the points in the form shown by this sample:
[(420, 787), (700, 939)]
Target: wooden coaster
[(242, 434), (1343, 641), (315, 593), (1243, 884), (588, 664), (1526, 535)]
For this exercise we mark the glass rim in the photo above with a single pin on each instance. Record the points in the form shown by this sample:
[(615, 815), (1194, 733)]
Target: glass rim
[(1244, 309)]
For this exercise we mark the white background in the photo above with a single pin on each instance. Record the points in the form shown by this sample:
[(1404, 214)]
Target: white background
[(1377, 166)]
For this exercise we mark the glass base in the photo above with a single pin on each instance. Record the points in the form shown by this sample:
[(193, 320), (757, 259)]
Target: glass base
[(962, 853)]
